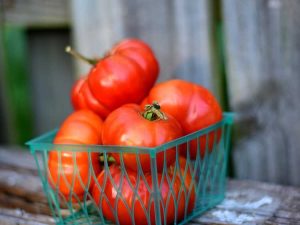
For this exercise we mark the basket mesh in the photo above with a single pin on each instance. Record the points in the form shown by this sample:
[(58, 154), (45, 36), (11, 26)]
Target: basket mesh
[(173, 195)]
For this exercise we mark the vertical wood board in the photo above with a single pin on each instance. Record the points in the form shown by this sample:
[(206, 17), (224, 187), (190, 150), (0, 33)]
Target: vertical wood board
[(263, 62), (178, 31), (51, 78)]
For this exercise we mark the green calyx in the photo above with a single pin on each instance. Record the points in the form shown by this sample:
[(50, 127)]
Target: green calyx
[(152, 112)]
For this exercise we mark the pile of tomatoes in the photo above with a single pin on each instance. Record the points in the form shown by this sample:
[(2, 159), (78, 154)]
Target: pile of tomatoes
[(118, 103)]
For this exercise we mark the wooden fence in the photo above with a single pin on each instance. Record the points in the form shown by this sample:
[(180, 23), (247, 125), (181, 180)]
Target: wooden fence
[(246, 52), (263, 64)]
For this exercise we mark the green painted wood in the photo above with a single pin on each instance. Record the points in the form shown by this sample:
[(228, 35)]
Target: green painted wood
[(38, 74), (16, 85), (18, 103), (6, 127)]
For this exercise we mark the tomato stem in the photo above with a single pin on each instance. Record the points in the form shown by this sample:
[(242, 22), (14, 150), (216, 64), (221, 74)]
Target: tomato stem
[(152, 112), (77, 55)]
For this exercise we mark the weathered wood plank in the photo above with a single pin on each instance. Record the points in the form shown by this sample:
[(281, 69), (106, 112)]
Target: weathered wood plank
[(263, 55), (247, 202), (250, 202), (20, 187), (178, 31), (20, 217), (32, 13), (51, 77), (10, 159), (12, 201)]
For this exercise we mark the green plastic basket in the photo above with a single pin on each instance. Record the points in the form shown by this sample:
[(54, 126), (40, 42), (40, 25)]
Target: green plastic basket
[(205, 189)]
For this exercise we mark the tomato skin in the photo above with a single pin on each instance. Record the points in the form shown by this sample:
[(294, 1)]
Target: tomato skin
[(124, 75), (142, 54), (82, 98), (109, 196), (81, 127), (77, 99), (127, 127), (192, 105), (185, 173)]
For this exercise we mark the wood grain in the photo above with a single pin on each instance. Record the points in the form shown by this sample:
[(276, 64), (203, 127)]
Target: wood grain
[(178, 31), (51, 78), (20, 186), (263, 56), (251, 202), (20, 217), (36, 13)]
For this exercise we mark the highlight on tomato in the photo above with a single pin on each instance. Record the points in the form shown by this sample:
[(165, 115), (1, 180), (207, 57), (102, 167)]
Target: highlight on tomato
[(124, 75), (130, 125), (194, 106), (69, 171), (125, 197)]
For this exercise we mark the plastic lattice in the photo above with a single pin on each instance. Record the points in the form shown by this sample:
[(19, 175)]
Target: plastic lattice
[(84, 185)]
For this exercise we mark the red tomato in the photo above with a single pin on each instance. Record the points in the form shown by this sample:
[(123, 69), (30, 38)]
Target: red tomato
[(69, 171), (77, 99), (82, 98), (192, 105), (140, 53), (185, 173), (127, 126), (131, 197), (124, 75)]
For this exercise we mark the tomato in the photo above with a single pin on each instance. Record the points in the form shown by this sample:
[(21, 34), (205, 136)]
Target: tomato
[(77, 99), (127, 126), (124, 75), (192, 105), (132, 198), (141, 54), (69, 171), (184, 174), (82, 98)]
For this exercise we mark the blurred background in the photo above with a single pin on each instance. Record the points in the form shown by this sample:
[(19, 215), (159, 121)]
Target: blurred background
[(246, 52)]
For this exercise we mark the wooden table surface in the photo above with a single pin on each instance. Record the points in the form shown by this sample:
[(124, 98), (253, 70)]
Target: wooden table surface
[(247, 202)]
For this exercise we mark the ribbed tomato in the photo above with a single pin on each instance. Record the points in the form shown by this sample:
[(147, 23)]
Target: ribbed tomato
[(130, 198), (82, 98), (192, 105), (130, 125), (183, 172), (69, 171), (124, 75)]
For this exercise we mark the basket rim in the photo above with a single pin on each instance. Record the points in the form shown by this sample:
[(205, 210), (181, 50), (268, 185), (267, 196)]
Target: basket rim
[(40, 144)]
